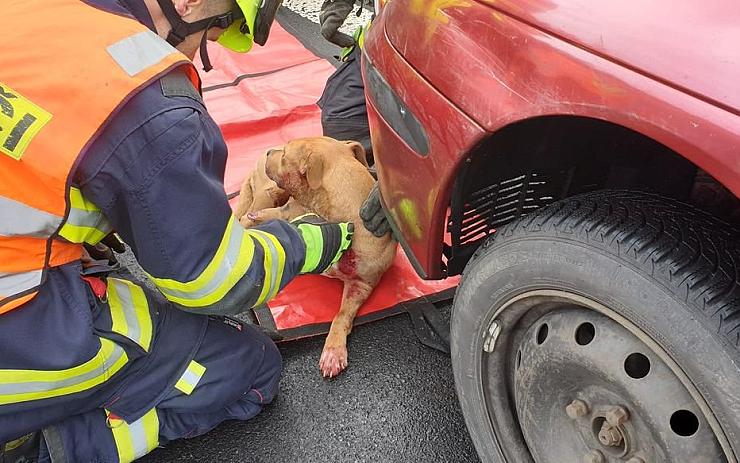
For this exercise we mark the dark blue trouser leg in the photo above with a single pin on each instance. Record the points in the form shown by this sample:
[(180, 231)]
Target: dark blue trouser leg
[(242, 374), (189, 416)]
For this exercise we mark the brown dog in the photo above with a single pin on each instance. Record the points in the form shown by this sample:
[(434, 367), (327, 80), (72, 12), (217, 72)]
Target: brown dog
[(258, 192), (330, 178)]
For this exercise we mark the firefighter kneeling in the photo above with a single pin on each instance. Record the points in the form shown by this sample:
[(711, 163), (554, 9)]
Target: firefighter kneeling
[(102, 128)]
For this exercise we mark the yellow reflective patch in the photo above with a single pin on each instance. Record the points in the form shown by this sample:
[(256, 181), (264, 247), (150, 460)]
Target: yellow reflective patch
[(20, 121), (205, 277), (79, 202), (136, 439), (79, 235), (129, 311), (85, 222), (279, 262), (24, 385), (190, 379), (267, 261), (14, 444), (237, 261)]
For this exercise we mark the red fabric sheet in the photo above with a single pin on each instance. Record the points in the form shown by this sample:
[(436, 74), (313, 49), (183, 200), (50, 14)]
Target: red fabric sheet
[(274, 102)]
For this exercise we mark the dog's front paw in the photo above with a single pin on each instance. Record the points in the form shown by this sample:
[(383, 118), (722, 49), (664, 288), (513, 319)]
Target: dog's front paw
[(333, 361), (250, 219)]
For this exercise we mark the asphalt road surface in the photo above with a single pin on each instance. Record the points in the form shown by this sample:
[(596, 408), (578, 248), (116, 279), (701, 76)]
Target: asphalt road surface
[(395, 403)]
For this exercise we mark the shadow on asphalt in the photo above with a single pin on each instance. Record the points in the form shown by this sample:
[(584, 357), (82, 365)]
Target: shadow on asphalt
[(395, 403)]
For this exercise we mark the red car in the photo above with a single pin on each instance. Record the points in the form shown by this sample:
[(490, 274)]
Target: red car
[(578, 162)]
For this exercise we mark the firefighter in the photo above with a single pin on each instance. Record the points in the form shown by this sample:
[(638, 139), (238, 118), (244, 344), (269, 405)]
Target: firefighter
[(343, 109), (343, 105), (102, 128)]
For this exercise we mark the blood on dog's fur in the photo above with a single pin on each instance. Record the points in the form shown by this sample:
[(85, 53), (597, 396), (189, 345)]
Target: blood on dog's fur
[(348, 264)]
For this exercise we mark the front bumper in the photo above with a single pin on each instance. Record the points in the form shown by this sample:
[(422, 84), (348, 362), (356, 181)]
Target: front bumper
[(419, 140)]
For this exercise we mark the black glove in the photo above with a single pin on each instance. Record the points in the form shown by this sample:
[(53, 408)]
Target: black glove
[(373, 215), (114, 242), (325, 242), (106, 248), (332, 16)]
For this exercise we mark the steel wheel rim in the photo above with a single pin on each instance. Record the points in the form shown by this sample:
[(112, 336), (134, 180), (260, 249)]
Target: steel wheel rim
[(498, 370)]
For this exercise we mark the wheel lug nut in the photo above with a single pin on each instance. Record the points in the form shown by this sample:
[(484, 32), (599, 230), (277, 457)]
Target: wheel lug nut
[(576, 409), (609, 435), (594, 456), (616, 416)]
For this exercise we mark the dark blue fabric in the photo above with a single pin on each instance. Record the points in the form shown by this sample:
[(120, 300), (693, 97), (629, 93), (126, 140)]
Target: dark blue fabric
[(62, 335), (53, 332), (138, 9), (113, 6), (49, 324), (132, 8), (343, 107), (156, 171), (243, 369), (344, 93)]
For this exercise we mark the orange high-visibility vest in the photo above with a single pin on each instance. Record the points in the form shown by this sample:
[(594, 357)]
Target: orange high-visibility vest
[(66, 68)]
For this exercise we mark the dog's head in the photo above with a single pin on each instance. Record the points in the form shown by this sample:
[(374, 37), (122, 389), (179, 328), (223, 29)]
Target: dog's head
[(300, 164)]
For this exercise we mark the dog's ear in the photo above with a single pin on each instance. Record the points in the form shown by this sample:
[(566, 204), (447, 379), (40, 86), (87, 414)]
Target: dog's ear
[(358, 152), (312, 167)]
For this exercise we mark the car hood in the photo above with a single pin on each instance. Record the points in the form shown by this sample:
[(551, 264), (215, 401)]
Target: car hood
[(690, 45)]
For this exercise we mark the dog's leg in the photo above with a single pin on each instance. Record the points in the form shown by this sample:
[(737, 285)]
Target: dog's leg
[(251, 219), (334, 356), (289, 211), (246, 197), (292, 209)]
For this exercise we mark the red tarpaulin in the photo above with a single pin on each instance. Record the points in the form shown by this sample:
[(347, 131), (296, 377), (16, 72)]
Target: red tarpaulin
[(261, 100)]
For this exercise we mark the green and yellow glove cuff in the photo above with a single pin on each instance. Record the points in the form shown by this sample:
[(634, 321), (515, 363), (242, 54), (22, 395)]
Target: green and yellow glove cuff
[(325, 242)]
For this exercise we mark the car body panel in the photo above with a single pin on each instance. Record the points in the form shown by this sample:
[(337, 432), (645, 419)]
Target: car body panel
[(500, 62), (688, 44), (413, 189)]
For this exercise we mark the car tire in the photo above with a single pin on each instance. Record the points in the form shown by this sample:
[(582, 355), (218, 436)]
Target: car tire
[(652, 275)]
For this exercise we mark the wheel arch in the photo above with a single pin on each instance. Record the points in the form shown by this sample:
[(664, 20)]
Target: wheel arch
[(533, 162)]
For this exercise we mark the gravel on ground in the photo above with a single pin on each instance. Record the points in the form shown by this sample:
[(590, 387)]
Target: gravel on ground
[(310, 9)]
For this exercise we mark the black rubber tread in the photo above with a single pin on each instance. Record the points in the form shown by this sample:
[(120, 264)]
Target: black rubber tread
[(691, 253)]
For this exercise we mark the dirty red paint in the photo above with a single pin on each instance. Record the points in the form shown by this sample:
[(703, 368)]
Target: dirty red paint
[(520, 60)]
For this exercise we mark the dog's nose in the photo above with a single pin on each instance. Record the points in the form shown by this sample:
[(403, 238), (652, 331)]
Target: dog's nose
[(269, 152)]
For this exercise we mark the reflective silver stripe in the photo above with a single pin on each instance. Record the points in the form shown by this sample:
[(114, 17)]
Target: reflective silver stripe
[(140, 51), (274, 264), (138, 438), (89, 219), (15, 283), (43, 386), (133, 330), (191, 378), (129, 312), (222, 272), (18, 219)]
